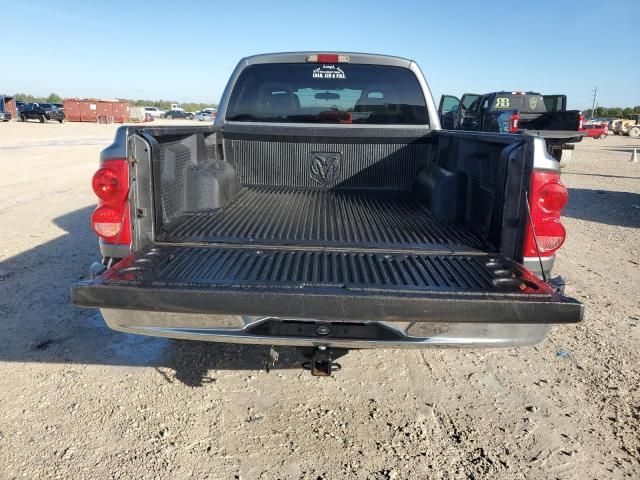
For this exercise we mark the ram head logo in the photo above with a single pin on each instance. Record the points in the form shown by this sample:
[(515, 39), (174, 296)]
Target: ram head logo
[(325, 167)]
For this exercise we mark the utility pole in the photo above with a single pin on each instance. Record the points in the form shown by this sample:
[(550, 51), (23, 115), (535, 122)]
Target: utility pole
[(593, 105)]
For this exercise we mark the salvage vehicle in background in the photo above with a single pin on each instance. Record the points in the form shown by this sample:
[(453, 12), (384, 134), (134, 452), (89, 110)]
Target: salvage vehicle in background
[(596, 130), (325, 208), (155, 112), (173, 114), (517, 112), (41, 112), (629, 125), (203, 116)]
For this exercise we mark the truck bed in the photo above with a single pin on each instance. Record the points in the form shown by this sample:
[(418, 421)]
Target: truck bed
[(282, 215)]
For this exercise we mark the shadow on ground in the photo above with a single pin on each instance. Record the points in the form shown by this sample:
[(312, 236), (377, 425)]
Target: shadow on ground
[(38, 323), (604, 206)]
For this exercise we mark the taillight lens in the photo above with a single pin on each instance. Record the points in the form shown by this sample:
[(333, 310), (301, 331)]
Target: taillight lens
[(107, 184), (111, 219), (581, 122), (547, 197), (111, 223), (551, 235), (552, 197), (513, 122)]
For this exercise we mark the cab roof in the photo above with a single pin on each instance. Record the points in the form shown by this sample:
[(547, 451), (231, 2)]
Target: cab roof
[(301, 57)]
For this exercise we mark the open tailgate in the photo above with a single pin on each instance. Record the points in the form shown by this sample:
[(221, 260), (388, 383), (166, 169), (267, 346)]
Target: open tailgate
[(328, 284)]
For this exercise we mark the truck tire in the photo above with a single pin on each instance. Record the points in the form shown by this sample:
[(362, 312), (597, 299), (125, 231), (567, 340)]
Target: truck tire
[(42, 119), (23, 118), (634, 132), (565, 156)]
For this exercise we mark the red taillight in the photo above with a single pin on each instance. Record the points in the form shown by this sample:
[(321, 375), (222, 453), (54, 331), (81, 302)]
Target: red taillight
[(550, 235), (111, 219), (581, 122), (513, 122), (547, 197), (112, 224), (108, 184), (552, 197)]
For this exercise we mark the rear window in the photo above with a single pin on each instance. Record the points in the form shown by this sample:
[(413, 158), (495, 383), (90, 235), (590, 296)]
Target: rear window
[(327, 93), (522, 103)]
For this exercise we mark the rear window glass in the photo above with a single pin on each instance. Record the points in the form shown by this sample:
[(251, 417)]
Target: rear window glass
[(522, 103), (327, 93)]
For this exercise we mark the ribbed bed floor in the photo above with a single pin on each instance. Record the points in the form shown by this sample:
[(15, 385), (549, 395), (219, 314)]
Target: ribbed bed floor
[(321, 217)]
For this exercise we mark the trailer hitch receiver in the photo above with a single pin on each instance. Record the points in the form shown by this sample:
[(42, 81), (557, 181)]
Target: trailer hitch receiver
[(321, 363)]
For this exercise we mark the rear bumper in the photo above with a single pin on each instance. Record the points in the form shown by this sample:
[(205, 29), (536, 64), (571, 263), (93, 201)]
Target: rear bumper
[(304, 333)]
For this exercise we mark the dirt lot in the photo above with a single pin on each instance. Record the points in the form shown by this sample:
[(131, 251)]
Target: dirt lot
[(80, 401)]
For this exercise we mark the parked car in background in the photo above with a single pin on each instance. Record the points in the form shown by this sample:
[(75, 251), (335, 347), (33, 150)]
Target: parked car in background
[(516, 112), (172, 114), (155, 112), (211, 111), (204, 116), (41, 112), (596, 130), (629, 125)]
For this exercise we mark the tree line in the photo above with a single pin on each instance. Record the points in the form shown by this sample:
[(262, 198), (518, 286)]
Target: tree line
[(25, 97), (165, 104), (616, 112)]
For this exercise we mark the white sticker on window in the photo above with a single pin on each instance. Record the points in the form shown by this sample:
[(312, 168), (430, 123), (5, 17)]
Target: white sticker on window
[(329, 71)]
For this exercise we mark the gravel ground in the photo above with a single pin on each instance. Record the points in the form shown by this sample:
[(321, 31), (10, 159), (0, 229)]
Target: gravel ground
[(80, 401)]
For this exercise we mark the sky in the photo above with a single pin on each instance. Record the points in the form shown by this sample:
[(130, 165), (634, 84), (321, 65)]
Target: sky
[(185, 50)]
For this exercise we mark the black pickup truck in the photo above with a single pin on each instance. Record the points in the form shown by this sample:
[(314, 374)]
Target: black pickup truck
[(41, 112), (326, 208), (517, 112)]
